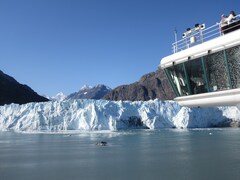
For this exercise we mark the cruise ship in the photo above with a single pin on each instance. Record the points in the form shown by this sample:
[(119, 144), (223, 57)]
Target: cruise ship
[(204, 68)]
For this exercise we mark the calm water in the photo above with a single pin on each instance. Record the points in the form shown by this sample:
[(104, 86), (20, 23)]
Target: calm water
[(161, 154)]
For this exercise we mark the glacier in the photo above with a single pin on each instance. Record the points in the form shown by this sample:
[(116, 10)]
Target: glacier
[(95, 115)]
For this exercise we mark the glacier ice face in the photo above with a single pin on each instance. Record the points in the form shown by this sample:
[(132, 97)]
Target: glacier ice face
[(92, 115)]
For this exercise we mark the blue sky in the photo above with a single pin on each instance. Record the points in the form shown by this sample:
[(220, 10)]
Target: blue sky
[(60, 45)]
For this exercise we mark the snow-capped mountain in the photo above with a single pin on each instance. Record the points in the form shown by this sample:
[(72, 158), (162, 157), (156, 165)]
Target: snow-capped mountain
[(58, 97), (89, 92), (112, 115)]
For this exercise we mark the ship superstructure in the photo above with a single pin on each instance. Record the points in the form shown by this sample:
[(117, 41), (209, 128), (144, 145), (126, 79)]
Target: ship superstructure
[(204, 69)]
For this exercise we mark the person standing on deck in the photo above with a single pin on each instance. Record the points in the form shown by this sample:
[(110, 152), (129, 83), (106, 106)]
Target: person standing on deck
[(231, 17), (223, 20)]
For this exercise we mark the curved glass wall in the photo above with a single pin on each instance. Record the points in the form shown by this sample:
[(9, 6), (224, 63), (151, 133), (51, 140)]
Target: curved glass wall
[(177, 76), (195, 74), (214, 72)]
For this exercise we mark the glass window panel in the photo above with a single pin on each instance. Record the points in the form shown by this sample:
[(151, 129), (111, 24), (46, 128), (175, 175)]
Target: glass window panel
[(195, 75), (216, 72), (233, 57), (178, 78)]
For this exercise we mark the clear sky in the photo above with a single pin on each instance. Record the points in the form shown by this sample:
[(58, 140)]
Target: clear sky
[(60, 45)]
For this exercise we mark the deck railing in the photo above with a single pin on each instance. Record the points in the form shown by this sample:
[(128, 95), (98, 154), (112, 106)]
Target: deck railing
[(200, 34)]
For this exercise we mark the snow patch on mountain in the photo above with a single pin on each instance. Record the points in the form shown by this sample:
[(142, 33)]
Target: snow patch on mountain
[(111, 115), (85, 87), (59, 97)]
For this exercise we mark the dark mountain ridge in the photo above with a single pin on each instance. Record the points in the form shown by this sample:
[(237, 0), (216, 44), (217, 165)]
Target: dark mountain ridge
[(12, 91)]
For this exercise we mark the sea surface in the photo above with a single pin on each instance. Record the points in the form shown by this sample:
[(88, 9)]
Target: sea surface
[(138, 154)]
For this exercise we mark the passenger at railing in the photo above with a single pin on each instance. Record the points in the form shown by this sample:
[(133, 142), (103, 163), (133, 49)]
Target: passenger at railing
[(231, 17), (223, 20), (223, 23)]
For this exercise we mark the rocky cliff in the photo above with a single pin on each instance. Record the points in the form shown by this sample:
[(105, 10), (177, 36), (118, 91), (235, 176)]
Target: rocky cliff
[(150, 86)]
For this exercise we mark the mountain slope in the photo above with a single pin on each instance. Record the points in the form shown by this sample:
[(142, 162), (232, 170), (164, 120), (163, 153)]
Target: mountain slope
[(150, 86), (13, 92), (88, 92)]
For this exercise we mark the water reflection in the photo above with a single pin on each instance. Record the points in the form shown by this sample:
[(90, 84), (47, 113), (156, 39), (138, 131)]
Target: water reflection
[(137, 154)]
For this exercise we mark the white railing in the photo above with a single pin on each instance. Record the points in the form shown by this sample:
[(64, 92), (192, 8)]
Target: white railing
[(200, 34)]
